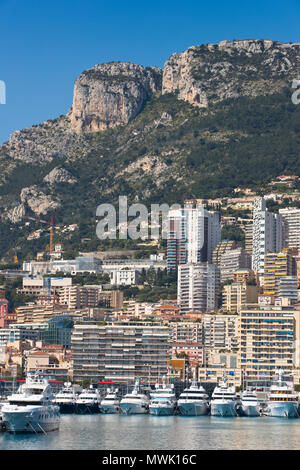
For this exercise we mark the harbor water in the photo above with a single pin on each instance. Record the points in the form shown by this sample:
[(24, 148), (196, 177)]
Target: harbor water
[(145, 432)]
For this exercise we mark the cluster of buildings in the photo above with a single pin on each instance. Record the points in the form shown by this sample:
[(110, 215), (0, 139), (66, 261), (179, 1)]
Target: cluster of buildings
[(237, 307)]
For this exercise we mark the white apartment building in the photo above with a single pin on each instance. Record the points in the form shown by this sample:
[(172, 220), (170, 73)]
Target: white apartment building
[(203, 233), (36, 285), (233, 260), (80, 296), (193, 234), (124, 277), (237, 295), (120, 352), (198, 287), (187, 332), (267, 234), (269, 339), (139, 308), (291, 219), (220, 331), (10, 335)]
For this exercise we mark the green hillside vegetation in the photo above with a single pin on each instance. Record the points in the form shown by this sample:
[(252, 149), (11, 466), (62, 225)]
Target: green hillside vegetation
[(243, 142)]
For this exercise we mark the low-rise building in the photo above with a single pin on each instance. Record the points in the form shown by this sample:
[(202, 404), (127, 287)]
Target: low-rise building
[(236, 295), (124, 277)]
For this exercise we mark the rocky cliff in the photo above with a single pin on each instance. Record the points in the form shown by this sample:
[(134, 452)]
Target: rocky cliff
[(110, 95), (215, 118), (206, 74)]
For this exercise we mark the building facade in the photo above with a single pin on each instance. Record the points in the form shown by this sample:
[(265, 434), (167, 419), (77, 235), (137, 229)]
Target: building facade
[(291, 219), (193, 234), (120, 352), (198, 287), (269, 339), (267, 234)]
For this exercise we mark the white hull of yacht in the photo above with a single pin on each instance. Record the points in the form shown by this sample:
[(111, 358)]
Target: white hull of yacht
[(223, 408), (109, 408), (131, 408), (193, 408), (162, 409), (250, 409), (283, 410), (87, 407), (35, 420)]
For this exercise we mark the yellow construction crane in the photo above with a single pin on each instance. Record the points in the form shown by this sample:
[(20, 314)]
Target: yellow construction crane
[(51, 225)]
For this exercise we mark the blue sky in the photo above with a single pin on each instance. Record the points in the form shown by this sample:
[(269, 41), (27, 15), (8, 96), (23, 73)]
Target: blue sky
[(46, 45)]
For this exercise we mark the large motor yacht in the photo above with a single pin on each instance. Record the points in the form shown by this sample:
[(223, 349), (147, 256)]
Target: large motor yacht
[(88, 401), (31, 408), (135, 402), (224, 400), (193, 401), (163, 400), (250, 404), (66, 398), (283, 401), (111, 402)]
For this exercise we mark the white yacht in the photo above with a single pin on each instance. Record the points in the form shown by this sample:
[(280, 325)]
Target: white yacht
[(224, 400), (283, 401), (193, 401), (135, 402), (31, 408), (88, 401), (250, 404), (163, 399), (111, 402), (66, 398), (2, 422)]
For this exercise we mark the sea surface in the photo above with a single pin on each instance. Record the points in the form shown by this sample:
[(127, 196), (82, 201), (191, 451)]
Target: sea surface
[(120, 432)]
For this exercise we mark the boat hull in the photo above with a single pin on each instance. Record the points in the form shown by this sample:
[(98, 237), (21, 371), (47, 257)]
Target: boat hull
[(36, 421), (226, 409), (250, 409), (193, 409), (283, 410), (133, 408), (161, 410), (87, 408), (66, 408), (109, 409)]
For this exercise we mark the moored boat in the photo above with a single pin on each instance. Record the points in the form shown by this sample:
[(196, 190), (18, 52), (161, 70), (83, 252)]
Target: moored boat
[(135, 402), (31, 408), (163, 399), (283, 401), (224, 400), (250, 405), (88, 401), (193, 401), (66, 398), (111, 402)]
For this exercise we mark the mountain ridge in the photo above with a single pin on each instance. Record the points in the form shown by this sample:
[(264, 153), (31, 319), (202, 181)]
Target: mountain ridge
[(217, 117)]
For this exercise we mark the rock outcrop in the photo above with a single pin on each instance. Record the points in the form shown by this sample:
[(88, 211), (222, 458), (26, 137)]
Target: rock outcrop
[(59, 175), (112, 94), (37, 201), (14, 214), (206, 74)]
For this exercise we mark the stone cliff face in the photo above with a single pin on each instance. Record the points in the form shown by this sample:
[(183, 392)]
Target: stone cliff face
[(37, 201), (110, 95), (176, 137), (210, 73)]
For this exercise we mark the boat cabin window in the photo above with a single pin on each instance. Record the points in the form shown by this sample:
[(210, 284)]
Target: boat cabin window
[(24, 403)]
